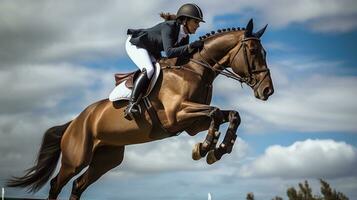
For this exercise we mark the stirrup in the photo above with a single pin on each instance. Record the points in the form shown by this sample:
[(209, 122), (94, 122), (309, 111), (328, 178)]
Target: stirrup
[(132, 110)]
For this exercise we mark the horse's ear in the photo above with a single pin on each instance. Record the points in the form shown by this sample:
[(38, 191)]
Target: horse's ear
[(249, 29), (260, 32)]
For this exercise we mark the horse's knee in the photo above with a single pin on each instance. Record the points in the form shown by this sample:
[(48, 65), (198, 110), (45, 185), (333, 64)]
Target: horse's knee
[(217, 115), (234, 117)]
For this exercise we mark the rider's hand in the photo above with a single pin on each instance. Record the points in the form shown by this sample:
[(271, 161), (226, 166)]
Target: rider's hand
[(198, 44)]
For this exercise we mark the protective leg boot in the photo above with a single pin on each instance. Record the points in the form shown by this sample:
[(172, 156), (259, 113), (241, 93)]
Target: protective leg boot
[(140, 86)]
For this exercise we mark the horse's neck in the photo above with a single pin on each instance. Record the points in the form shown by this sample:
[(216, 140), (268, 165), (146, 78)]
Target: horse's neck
[(218, 46), (215, 49)]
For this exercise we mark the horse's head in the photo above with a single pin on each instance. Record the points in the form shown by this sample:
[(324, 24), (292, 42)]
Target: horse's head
[(248, 60), (243, 52)]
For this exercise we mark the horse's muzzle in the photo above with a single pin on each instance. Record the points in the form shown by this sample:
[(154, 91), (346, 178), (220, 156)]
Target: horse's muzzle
[(263, 93)]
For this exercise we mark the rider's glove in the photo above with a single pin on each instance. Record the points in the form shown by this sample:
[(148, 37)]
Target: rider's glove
[(198, 44)]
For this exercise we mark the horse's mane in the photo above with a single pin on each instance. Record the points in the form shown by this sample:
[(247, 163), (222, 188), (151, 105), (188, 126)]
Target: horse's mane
[(219, 31)]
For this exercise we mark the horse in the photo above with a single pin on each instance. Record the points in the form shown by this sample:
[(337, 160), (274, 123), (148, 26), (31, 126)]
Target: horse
[(181, 98)]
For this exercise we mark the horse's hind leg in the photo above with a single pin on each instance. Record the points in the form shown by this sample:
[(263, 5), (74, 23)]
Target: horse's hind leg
[(76, 148), (69, 168), (61, 179), (104, 159)]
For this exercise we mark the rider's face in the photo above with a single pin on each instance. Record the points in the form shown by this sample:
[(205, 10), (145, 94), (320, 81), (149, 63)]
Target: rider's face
[(192, 25)]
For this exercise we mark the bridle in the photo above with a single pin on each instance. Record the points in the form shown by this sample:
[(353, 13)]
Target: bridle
[(249, 79)]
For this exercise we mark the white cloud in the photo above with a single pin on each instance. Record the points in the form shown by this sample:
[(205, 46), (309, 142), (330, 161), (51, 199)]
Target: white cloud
[(319, 103), (56, 31), (301, 11), (306, 11), (315, 101), (304, 159), (37, 97), (333, 24), (41, 42), (27, 87), (324, 16), (42, 31), (174, 154)]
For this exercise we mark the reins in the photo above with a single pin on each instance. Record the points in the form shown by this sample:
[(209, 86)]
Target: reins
[(228, 74), (249, 80)]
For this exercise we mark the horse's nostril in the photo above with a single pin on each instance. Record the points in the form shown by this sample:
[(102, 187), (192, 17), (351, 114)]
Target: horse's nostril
[(267, 91)]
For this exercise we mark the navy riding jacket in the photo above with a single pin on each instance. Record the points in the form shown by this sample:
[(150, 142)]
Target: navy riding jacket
[(161, 37)]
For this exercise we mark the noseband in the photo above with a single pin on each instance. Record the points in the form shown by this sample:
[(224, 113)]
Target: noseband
[(249, 79)]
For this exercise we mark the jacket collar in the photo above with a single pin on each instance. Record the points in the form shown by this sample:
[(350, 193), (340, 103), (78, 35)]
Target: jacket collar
[(181, 34)]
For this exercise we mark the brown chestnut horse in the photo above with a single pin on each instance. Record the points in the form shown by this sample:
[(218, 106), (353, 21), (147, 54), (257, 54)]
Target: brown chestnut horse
[(181, 98)]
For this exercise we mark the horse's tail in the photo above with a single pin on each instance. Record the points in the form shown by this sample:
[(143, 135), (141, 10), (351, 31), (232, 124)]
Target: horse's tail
[(47, 158)]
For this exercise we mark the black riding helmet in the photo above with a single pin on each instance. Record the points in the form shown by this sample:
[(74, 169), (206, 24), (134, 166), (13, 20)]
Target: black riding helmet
[(190, 10)]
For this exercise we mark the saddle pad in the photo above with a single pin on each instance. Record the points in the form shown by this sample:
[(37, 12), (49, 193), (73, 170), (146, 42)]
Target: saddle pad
[(122, 92)]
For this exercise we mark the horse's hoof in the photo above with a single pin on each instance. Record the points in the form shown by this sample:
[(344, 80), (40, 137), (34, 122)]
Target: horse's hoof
[(196, 153), (211, 158)]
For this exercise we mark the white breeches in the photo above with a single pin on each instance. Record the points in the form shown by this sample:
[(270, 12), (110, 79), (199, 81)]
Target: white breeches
[(140, 57)]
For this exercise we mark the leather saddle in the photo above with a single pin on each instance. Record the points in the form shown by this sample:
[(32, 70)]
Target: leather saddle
[(130, 77)]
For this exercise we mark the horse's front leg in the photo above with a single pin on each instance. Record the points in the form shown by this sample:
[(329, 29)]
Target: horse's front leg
[(229, 139), (203, 117), (201, 149)]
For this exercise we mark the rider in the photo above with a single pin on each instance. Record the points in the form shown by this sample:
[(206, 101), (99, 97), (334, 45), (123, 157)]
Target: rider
[(144, 47)]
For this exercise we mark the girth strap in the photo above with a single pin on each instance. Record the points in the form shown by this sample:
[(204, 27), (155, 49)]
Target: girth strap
[(154, 118)]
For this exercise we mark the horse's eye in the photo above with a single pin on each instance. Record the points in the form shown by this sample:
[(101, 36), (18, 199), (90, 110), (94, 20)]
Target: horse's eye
[(253, 51)]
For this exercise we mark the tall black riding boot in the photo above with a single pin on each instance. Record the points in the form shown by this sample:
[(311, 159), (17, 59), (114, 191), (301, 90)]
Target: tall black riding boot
[(140, 86)]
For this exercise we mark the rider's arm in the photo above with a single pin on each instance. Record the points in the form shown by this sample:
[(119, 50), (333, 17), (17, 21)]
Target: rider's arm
[(168, 41)]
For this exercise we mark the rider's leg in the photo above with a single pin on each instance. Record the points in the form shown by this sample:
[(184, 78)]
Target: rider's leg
[(140, 87), (144, 61)]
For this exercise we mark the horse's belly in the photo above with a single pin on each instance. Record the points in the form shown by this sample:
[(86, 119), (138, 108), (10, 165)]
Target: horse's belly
[(125, 134), (112, 128)]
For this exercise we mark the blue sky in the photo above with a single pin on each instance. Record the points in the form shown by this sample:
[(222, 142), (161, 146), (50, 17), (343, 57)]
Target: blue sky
[(57, 58)]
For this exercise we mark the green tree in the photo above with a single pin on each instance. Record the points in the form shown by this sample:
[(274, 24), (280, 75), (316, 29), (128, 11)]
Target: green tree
[(329, 194), (292, 194), (304, 192), (250, 196)]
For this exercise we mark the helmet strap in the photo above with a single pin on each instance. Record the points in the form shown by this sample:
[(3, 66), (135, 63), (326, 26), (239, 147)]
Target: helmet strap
[(186, 27)]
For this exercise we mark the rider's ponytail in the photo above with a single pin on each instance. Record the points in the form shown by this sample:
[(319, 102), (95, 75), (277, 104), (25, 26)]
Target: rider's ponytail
[(168, 16)]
